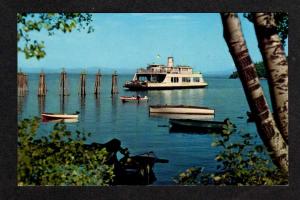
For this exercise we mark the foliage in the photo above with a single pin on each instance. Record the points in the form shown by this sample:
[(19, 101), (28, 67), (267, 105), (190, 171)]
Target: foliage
[(241, 162), (49, 22), (282, 23), (234, 75), (60, 158), (260, 69)]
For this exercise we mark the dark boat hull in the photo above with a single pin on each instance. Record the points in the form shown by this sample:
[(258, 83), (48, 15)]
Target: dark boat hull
[(197, 126)]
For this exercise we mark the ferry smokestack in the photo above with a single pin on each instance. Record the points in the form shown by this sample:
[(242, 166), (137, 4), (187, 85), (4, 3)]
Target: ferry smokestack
[(170, 62)]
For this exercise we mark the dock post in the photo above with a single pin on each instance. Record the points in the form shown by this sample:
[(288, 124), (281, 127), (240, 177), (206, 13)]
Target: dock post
[(64, 91), (82, 83), (114, 83), (42, 85), (97, 83), (21, 84)]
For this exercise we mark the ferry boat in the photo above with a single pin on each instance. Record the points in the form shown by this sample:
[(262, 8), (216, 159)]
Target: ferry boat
[(159, 76)]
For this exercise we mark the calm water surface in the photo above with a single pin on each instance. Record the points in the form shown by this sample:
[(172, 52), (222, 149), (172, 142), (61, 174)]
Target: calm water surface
[(106, 117)]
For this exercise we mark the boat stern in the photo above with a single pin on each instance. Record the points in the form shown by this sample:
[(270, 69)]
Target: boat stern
[(135, 85)]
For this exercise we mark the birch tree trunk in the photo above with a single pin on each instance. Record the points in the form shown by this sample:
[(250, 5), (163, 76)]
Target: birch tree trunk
[(277, 67), (265, 123)]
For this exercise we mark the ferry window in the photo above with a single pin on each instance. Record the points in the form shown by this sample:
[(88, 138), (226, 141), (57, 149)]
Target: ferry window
[(196, 79), (186, 79), (174, 79)]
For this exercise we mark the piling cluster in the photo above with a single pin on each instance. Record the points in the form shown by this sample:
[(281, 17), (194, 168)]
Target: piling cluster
[(22, 83)]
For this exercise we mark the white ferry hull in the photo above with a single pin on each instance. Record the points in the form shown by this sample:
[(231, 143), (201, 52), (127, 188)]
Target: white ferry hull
[(163, 86)]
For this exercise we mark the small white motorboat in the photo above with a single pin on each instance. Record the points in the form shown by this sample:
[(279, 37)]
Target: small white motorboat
[(134, 99), (181, 109), (51, 116)]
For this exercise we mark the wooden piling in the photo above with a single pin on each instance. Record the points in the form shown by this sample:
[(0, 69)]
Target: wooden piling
[(97, 83), (42, 85), (64, 90), (82, 83), (21, 82), (114, 83)]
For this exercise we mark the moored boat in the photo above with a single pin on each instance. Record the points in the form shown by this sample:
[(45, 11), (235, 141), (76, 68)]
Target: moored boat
[(182, 116), (60, 116), (178, 125), (73, 120), (181, 109), (133, 99)]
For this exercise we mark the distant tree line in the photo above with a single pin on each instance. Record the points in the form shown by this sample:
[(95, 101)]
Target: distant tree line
[(260, 69)]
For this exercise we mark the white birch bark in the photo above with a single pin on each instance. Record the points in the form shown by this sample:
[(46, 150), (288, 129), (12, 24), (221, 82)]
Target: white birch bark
[(277, 67), (264, 120)]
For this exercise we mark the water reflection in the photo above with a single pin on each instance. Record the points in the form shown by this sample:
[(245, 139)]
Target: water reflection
[(186, 96), (21, 102), (41, 104), (82, 108), (114, 100), (114, 109), (97, 107), (63, 103)]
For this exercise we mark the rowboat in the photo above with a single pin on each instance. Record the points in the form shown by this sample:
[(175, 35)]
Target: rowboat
[(181, 116), (50, 116), (181, 109), (59, 120), (133, 99), (178, 125)]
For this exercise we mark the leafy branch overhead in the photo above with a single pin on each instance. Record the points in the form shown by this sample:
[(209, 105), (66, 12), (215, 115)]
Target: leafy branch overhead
[(51, 23), (282, 24)]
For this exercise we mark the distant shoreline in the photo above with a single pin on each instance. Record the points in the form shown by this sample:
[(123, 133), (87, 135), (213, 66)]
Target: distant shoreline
[(129, 74)]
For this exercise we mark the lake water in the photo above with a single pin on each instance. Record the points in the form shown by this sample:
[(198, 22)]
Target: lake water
[(107, 117)]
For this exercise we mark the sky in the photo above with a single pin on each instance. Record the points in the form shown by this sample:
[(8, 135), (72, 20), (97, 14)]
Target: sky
[(127, 41)]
